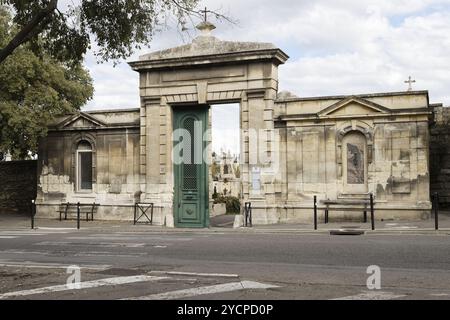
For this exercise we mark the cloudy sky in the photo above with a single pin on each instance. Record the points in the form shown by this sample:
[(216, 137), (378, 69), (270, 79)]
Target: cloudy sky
[(336, 47)]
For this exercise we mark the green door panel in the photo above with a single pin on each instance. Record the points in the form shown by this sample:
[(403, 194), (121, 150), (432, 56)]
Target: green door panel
[(191, 200)]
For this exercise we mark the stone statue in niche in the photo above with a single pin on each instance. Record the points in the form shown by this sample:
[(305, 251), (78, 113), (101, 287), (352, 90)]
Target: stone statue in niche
[(355, 164)]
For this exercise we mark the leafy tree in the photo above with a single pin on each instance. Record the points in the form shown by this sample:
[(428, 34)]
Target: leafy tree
[(34, 90), (117, 27)]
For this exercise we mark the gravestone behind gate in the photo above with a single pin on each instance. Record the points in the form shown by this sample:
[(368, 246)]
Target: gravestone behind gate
[(18, 184)]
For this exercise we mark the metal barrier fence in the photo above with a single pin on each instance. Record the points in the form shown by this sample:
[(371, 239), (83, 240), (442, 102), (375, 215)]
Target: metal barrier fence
[(141, 210)]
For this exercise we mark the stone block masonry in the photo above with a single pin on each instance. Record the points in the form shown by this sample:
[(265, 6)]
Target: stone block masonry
[(18, 184), (440, 155)]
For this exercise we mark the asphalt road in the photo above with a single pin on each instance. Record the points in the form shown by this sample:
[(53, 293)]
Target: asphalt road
[(143, 264)]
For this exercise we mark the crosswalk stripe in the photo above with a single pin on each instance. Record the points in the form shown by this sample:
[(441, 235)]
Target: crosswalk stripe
[(220, 288), (38, 265), (373, 295), (82, 285)]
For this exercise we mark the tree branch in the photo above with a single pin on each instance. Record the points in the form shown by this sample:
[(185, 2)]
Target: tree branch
[(33, 27)]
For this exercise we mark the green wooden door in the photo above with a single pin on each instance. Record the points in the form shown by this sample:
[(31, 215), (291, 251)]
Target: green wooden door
[(191, 201)]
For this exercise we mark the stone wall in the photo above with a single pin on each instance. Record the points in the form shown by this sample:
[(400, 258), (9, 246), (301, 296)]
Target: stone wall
[(440, 155), (18, 181)]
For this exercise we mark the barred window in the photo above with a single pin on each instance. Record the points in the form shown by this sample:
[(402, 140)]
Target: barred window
[(84, 166)]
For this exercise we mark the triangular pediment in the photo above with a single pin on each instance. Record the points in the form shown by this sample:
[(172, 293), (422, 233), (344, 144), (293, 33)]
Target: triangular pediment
[(80, 120), (354, 106)]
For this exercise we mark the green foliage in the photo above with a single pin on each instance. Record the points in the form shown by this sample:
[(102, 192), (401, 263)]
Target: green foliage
[(117, 27), (233, 204), (34, 90)]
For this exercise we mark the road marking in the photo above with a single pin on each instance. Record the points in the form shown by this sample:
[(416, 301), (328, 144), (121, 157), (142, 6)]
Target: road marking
[(8, 237), (75, 254), (38, 265), (57, 229), (373, 295), (82, 285), (221, 288), (213, 275), (439, 294), (127, 238), (93, 244)]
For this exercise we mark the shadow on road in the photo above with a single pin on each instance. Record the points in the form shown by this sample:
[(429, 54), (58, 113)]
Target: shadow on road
[(223, 221)]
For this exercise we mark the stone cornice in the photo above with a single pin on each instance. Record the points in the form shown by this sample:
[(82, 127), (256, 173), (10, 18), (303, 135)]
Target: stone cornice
[(277, 56)]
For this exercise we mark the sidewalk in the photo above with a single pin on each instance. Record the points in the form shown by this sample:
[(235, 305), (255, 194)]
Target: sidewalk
[(17, 222)]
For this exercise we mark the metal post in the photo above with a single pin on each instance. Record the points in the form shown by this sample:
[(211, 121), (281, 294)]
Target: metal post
[(78, 216), (327, 216), (135, 210), (153, 207), (33, 213), (315, 212), (436, 211), (251, 214), (372, 213)]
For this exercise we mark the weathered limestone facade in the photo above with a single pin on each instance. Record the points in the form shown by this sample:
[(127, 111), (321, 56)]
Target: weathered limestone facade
[(114, 137), (337, 148), (391, 132)]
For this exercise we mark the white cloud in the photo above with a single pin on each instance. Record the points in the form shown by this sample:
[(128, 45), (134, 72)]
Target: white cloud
[(337, 46)]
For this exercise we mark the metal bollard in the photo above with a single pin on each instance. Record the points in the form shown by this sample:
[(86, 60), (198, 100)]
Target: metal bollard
[(33, 213), (436, 211), (78, 216), (315, 212), (372, 213), (135, 212)]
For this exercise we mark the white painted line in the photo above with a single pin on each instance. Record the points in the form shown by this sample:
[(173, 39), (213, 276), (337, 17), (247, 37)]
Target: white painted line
[(221, 288), (91, 244), (22, 234), (373, 295), (82, 285), (56, 229), (38, 265), (212, 275), (8, 237), (439, 294)]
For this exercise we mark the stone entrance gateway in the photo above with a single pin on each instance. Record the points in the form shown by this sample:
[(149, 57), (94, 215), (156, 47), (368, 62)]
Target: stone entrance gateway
[(207, 71), (338, 148)]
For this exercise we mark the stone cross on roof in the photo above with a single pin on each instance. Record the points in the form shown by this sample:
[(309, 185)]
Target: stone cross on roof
[(206, 27), (410, 81), (206, 11)]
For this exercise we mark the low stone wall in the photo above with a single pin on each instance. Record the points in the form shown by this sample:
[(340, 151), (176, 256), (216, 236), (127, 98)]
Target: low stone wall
[(440, 155), (18, 184)]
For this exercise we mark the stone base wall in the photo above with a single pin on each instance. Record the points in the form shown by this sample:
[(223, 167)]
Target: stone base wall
[(440, 156), (18, 184)]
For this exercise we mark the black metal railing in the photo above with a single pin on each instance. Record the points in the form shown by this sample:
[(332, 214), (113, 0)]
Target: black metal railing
[(327, 212), (141, 210)]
